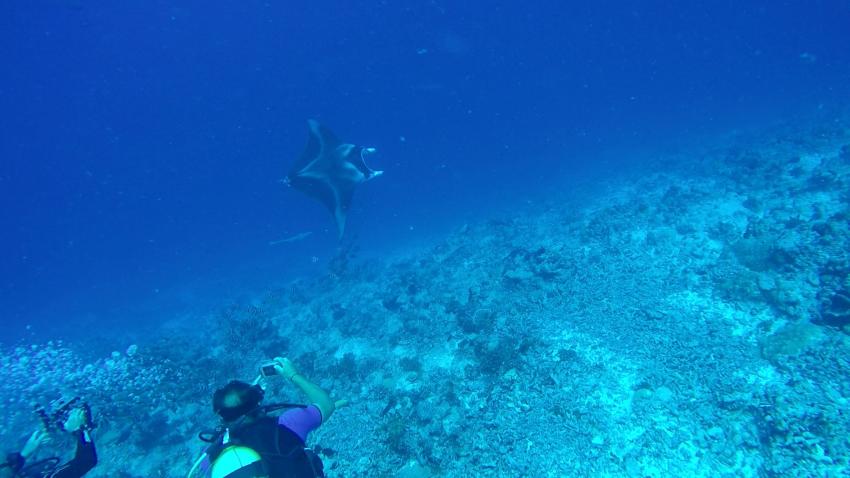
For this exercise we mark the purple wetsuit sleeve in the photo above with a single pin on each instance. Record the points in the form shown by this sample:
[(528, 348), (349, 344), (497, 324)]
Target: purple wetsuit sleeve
[(301, 421)]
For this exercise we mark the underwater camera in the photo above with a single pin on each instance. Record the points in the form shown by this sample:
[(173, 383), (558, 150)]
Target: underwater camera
[(54, 416)]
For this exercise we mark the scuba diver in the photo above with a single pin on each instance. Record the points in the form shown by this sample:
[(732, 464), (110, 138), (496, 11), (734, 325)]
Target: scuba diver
[(252, 443), (74, 420)]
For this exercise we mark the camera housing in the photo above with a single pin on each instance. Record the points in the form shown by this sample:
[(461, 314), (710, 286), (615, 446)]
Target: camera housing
[(268, 369)]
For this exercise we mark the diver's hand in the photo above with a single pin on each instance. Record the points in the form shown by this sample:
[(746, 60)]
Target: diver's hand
[(37, 438), (76, 419), (285, 367)]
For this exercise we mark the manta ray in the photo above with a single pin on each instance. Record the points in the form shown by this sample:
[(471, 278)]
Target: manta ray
[(329, 170)]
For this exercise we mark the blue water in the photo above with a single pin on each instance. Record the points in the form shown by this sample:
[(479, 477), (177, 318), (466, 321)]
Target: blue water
[(141, 143), (610, 238)]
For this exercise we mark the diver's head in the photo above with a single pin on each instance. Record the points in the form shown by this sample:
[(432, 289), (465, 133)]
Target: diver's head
[(236, 399)]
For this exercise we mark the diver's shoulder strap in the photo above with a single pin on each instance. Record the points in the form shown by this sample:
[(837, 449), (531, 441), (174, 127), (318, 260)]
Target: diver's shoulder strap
[(196, 466), (217, 445)]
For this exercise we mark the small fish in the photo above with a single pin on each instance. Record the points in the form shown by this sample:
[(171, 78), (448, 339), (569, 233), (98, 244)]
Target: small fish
[(297, 237)]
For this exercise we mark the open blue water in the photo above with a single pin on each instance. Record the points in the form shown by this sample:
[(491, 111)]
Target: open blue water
[(534, 153), (141, 143)]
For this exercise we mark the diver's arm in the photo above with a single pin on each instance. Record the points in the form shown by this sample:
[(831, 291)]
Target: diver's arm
[(35, 440), (314, 393), (17, 460), (84, 460), (85, 457)]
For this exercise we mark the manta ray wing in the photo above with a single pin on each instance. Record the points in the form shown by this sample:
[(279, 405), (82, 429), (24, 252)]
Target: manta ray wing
[(329, 171), (317, 155)]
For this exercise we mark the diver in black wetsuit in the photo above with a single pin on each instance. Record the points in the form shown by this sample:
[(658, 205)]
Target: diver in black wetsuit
[(85, 458)]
